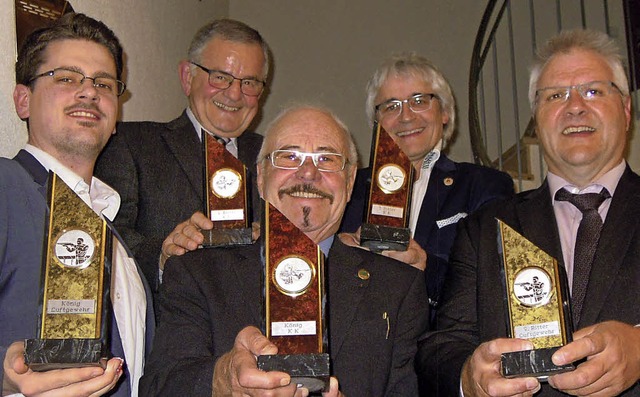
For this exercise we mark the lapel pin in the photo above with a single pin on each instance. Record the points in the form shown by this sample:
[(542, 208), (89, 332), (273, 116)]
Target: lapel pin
[(363, 274), (448, 181)]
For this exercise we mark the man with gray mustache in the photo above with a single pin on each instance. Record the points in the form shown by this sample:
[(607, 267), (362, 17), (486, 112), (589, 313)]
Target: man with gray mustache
[(212, 298)]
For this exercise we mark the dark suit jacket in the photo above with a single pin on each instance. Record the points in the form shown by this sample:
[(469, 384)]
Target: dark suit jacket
[(453, 188), (472, 309), (158, 170), (23, 212), (209, 295)]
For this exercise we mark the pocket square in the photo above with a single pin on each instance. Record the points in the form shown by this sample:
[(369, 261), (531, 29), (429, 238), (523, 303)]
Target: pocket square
[(451, 220)]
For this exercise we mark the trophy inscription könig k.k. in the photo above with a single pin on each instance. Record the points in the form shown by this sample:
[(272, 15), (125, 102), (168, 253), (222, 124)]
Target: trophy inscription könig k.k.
[(295, 298)]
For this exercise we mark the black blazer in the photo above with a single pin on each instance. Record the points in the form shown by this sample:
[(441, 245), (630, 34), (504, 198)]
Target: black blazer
[(209, 295), (158, 170), (472, 309), (454, 188)]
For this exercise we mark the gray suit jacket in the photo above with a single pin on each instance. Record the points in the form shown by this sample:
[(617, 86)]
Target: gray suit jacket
[(472, 308), (158, 170), (209, 295), (23, 212)]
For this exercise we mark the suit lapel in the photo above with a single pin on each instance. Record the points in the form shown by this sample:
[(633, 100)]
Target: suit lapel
[(435, 197), (346, 291), (33, 167), (182, 140), (247, 267), (617, 234), (538, 223)]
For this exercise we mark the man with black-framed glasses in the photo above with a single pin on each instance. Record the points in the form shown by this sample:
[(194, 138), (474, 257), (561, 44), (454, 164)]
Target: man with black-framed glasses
[(211, 300), (67, 89), (157, 167), (413, 102)]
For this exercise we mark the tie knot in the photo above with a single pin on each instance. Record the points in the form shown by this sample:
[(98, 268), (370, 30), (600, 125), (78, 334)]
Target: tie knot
[(221, 140), (584, 202)]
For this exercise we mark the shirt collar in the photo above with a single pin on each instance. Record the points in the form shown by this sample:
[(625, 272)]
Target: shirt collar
[(609, 181), (325, 245), (431, 157), (198, 127), (102, 198)]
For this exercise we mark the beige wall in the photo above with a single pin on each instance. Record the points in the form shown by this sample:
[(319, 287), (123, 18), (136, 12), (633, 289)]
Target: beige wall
[(324, 52)]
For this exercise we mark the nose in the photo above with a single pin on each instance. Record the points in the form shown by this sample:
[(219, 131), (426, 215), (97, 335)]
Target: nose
[(406, 114), (308, 170), (234, 91), (87, 90), (575, 103)]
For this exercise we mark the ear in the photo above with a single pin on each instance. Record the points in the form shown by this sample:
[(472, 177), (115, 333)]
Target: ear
[(259, 180), (627, 111), (184, 71), (21, 99), (351, 182)]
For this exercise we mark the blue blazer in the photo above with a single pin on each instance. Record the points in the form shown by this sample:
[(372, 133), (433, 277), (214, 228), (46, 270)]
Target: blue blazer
[(23, 212), (454, 190)]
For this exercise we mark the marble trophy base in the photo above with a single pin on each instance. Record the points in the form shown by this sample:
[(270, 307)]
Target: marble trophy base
[(226, 237), (311, 371), (384, 238), (536, 363), (48, 354)]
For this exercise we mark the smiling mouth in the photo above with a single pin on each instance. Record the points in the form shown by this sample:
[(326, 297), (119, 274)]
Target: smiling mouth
[(82, 113), (225, 107), (305, 191), (577, 130), (402, 134)]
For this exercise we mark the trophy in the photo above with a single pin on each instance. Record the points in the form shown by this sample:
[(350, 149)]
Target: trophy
[(294, 293), (389, 200), (537, 303), (226, 197), (74, 298)]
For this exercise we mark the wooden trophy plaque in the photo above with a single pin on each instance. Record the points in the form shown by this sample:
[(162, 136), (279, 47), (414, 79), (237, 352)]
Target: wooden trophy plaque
[(294, 292), (537, 303), (74, 286), (386, 220), (226, 196)]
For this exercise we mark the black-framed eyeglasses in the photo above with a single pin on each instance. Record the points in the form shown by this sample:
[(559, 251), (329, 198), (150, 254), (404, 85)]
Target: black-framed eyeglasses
[(293, 159), (223, 80), (590, 91), (74, 79), (417, 103)]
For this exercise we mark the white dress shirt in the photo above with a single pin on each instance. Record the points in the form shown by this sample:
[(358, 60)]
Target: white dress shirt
[(231, 146), (420, 185), (127, 291)]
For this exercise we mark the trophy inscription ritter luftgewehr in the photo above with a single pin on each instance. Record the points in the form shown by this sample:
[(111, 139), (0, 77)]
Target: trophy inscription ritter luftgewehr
[(537, 305), (74, 288), (386, 217), (294, 303), (225, 196)]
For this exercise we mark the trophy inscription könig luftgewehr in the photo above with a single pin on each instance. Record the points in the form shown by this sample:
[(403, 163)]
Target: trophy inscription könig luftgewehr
[(74, 286)]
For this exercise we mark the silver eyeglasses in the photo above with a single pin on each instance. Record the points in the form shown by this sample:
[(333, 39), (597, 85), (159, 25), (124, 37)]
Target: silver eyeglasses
[(74, 79), (417, 103), (293, 159), (591, 91), (223, 80)]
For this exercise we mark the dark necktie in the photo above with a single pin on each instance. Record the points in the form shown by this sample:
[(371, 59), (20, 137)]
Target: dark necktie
[(586, 242), (221, 140)]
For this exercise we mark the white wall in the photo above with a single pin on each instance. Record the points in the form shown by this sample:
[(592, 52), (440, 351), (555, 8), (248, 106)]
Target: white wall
[(324, 52), (155, 35)]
